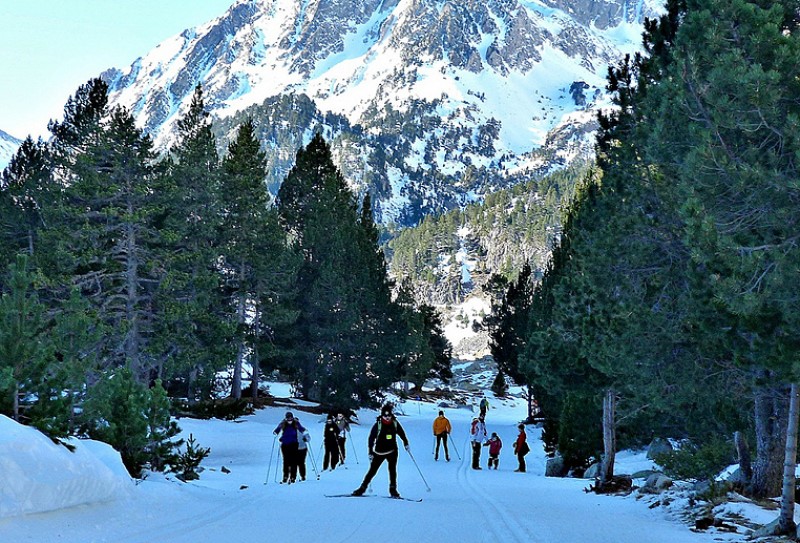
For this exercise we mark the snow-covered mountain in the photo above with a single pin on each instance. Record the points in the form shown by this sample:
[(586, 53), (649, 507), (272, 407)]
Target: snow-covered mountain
[(8, 146), (429, 103)]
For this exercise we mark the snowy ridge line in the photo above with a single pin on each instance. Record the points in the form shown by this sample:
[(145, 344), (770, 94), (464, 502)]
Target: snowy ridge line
[(507, 531)]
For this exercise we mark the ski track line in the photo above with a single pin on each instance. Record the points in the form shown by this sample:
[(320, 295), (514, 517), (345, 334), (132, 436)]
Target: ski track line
[(351, 536), (192, 523), (511, 530)]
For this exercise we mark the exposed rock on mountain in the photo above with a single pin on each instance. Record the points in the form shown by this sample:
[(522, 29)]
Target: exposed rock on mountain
[(430, 104), (8, 146)]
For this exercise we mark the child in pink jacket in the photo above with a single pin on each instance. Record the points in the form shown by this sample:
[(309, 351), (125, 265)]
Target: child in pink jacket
[(495, 444)]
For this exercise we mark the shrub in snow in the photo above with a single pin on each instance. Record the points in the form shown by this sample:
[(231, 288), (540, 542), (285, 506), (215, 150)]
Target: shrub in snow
[(186, 464), (134, 419)]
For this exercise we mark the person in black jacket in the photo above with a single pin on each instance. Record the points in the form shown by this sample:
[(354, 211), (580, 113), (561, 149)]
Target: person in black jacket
[(331, 441), (383, 446)]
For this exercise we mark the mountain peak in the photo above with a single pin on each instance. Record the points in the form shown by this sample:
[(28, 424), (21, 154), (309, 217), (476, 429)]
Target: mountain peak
[(490, 82)]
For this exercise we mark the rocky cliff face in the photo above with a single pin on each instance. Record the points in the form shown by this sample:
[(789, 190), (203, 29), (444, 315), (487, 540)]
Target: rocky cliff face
[(429, 104), (8, 146)]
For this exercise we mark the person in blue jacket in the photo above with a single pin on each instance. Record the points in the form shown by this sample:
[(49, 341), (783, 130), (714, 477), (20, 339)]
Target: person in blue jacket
[(290, 431)]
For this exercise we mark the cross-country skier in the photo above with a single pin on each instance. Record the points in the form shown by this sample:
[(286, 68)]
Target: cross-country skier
[(494, 444), (331, 442), (290, 430), (477, 434), (383, 446), (441, 429)]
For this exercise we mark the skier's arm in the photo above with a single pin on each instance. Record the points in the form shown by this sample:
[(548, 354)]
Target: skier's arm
[(402, 434), (373, 436)]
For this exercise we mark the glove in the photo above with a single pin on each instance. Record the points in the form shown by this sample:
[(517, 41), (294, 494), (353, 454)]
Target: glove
[(408, 448)]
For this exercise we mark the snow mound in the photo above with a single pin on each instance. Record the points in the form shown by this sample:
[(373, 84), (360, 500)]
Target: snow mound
[(38, 475)]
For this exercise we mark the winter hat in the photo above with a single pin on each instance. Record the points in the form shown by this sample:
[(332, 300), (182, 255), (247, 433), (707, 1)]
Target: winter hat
[(521, 426), (441, 413), (494, 434), (289, 415), (386, 410)]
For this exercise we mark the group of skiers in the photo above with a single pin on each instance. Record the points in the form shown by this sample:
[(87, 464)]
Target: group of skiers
[(478, 437), (383, 445), (294, 439)]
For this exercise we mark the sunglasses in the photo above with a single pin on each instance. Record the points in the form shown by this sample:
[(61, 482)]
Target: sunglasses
[(386, 416)]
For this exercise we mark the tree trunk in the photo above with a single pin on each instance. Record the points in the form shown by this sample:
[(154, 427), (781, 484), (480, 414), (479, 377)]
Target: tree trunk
[(786, 524), (743, 454), (530, 404), (241, 317), (191, 386), (609, 438), (254, 362), (770, 426), (15, 402)]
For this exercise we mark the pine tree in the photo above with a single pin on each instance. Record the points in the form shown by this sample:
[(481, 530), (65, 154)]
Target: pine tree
[(193, 332), (508, 327), (104, 240), (27, 189), (344, 351), (258, 266), (23, 339), (727, 136)]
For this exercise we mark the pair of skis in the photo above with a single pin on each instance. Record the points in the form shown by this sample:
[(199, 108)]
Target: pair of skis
[(416, 500)]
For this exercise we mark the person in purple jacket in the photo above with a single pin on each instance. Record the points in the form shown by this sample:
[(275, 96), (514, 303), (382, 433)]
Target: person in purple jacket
[(290, 430)]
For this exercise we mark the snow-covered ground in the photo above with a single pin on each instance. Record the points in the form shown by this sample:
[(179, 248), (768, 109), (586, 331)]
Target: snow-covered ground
[(245, 503)]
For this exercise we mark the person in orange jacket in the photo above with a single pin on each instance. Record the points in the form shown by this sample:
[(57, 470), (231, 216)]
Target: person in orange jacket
[(441, 429)]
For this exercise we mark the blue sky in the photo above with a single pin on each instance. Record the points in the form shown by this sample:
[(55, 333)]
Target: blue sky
[(50, 47)]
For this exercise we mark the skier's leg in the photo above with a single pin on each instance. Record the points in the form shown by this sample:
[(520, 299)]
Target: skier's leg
[(373, 469), (446, 452), (392, 459), (286, 462), (301, 463)]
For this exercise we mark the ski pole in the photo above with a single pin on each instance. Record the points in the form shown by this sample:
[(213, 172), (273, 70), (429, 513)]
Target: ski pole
[(455, 448), (353, 447), (313, 462), (271, 455), (408, 450)]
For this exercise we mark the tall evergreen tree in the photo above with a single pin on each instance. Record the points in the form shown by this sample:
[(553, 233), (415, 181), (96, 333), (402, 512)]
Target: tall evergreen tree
[(193, 334), (23, 340), (105, 242), (342, 357), (508, 327), (27, 188), (258, 267), (727, 136)]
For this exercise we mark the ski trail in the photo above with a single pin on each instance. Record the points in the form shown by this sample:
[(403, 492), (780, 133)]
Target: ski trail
[(179, 527), (506, 531)]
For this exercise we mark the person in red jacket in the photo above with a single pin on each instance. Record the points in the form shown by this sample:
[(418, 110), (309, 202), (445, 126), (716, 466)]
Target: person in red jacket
[(521, 448)]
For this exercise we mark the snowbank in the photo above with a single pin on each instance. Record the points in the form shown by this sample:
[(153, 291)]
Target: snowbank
[(38, 475)]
